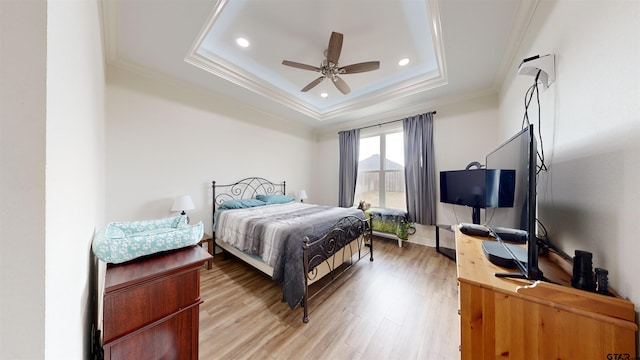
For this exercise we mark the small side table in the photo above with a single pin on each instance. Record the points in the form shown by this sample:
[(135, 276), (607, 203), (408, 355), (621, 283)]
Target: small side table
[(206, 238), (450, 253)]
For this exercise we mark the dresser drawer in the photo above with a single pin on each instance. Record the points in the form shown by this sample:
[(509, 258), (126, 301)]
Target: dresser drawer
[(141, 304), (173, 338)]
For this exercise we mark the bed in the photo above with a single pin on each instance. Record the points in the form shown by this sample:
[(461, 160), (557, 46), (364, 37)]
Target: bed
[(294, 243)]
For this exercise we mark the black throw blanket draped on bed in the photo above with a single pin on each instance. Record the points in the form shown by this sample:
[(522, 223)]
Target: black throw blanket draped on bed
[(289, 269), (285, 225)]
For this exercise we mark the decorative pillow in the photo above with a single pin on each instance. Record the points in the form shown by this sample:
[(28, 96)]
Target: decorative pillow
[(275, 199), (240, 204)]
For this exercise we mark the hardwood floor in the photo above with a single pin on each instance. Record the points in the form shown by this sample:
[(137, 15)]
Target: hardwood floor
[(403, 305)]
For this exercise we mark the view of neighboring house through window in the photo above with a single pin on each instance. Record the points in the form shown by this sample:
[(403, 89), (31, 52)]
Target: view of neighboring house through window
[(381, 170)]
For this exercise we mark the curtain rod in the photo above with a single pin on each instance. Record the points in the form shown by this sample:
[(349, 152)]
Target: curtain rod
[(385, 123)]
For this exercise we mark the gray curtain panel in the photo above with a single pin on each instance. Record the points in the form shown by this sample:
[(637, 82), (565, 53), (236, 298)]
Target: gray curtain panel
[(419, 168), (349, 150)]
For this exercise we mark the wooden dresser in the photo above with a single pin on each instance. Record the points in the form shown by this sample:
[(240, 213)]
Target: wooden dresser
[(151, 306), (509, 318)]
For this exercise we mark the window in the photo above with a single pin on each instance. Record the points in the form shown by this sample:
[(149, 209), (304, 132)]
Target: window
[(381, 171)]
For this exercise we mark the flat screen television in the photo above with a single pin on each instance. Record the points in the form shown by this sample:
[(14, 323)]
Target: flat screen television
[(463, 187), (520, 154), (478, 188)]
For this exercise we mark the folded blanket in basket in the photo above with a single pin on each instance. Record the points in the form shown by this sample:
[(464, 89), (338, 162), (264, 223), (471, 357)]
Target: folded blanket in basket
[(119, 242)]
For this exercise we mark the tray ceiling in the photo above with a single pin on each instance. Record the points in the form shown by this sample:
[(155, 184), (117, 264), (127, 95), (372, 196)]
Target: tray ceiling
[(455, 48)]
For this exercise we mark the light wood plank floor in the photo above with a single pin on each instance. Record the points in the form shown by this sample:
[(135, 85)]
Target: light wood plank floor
[(403, 305)]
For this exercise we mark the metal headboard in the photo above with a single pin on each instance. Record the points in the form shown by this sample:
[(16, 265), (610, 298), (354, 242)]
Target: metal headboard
[(245, 189)]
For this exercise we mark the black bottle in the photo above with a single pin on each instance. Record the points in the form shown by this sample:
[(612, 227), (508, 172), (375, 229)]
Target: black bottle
[(602, 281), (583, 271)]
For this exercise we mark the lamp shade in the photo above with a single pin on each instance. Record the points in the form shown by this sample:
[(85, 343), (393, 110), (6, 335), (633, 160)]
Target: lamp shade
[(302, 195), (182, 203)]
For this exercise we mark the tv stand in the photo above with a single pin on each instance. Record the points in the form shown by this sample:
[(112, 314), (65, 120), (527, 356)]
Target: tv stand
[(450, 253), (521, 319), (475, 215)]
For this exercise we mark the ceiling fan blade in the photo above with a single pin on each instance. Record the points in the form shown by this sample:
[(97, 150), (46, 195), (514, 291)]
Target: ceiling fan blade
[(300, 66), (341, 85), (360, 67), (313, 84), (335, 47)]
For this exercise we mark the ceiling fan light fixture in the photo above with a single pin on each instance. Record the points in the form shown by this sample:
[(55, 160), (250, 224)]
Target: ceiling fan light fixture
[(329, 67), (242, 42), (403, 62), (324, 95)]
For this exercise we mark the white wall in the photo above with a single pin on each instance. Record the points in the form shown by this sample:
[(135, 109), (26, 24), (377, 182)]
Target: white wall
[(589, 198), (464, 131), (166, 139), (52, 183), (22, 178), (75, 174)]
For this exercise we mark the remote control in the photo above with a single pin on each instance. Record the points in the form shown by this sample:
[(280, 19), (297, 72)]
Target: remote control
[(474, 230), (512, 235)]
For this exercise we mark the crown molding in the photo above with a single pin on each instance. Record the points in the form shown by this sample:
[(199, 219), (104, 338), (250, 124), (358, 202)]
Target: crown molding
[(222, 68), (522, 19)]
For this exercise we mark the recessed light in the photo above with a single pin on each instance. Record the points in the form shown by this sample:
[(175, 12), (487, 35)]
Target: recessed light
[(242, 42), (403, 62)]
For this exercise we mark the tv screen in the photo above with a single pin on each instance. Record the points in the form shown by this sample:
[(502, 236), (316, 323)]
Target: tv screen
[(463, 187), (518, 153), (513, 154), (479, 188), (500, 188)]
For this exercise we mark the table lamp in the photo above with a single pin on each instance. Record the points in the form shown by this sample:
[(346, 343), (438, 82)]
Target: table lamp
[(182, 203), (302, 195)]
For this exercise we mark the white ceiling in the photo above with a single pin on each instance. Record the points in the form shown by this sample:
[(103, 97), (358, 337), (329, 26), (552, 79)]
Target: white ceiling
[(457, 49)]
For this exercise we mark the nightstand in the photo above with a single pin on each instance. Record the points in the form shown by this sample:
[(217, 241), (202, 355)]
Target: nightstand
[(206, 238)]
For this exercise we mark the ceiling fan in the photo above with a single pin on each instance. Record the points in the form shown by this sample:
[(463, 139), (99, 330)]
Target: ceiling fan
[(329, 66)]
